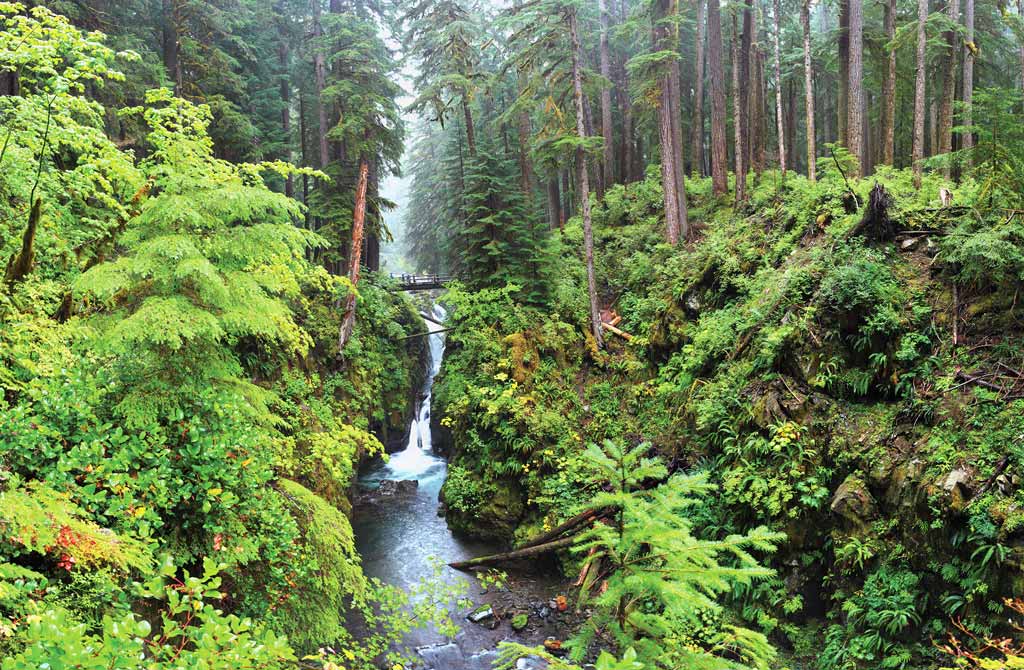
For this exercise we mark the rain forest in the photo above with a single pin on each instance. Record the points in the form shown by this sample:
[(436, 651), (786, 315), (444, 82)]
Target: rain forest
[(511, 335)]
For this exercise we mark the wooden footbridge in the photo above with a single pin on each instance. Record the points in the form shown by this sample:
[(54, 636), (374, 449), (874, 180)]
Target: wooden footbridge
[(407, 282)]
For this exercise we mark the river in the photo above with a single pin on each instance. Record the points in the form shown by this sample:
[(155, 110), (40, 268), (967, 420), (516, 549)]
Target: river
[(400, 536)]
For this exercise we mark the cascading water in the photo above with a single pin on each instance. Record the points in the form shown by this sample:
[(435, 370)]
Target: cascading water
[(401, 537)]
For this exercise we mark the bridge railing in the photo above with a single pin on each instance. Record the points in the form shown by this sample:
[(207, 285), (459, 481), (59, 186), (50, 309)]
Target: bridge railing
[(411, 281)]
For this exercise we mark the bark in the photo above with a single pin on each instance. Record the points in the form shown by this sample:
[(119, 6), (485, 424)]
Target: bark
[(608, 176), (948, 87), (320, 82), (670, 131), (855, 102), (933, 128), (968, 86), (842, 102), (697, 122), (21, 263), (719, 147), (676, 98), (467, 114), (917, 148), (1020, 12), (562, 528), (524, 131), (555, 220), (738, 116), (593, 169), (757, 116), (745, 93), (286, 108), (889, 89), (583, 183), (355, 253), (812, 155), (513, 555), (9, 84), (567, 210), (668, 177), (171, 46), (779, 121)]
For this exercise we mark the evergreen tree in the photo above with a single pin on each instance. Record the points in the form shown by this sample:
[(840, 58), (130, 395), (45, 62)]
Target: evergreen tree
[(662, 579)]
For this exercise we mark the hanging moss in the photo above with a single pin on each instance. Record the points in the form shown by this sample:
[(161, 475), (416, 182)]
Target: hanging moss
[(314, 612)]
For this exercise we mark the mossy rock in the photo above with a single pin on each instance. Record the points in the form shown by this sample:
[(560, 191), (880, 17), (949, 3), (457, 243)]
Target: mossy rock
[(519, 621), (495, 517)]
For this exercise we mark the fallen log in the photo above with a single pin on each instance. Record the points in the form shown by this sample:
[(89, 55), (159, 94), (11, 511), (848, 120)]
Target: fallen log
[(561, 529), (513, 555), (431, 319), (624, 335)]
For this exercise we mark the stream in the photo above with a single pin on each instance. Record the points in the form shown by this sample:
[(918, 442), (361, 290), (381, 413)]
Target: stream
[(400, 536)]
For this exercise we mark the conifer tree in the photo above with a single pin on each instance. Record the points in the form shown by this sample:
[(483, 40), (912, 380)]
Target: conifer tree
[(441, 37), (660, 576)]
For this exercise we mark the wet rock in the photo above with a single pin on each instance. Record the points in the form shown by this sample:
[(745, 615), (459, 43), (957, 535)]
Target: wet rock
[(390, 487), (957, 486), (853, 502), (481, 614), (544, 612), (441, 656), (530, 663), (554, 646)]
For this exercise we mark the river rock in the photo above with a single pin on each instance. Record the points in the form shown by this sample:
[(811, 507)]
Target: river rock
[(481, 614), (531, 663), (441, 656), (391, 487)]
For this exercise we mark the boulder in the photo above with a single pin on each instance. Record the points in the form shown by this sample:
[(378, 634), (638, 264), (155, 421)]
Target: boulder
[(391, 487), (957, 487), (853, 502)]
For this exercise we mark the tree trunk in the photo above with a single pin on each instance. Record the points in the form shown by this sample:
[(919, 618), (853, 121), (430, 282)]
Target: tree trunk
[(20, 264), (739, 104), (855, 101), (1020, 13), (697, 121), (746, 94), (948, 87), (917, 152), (779, 122), (524, 131), (467, 113), (668, 177), (513, 555), (355, 253), (719, 147), (676, 98), (171, 45), (812, 154), (968, 86), (555, 220), (842, 102), (286, 106), (606, 97), (320, 82), (889, 89), (584, 185)]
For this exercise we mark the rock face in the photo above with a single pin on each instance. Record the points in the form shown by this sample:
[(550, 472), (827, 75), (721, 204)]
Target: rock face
[(390, 487), (853, 502)]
